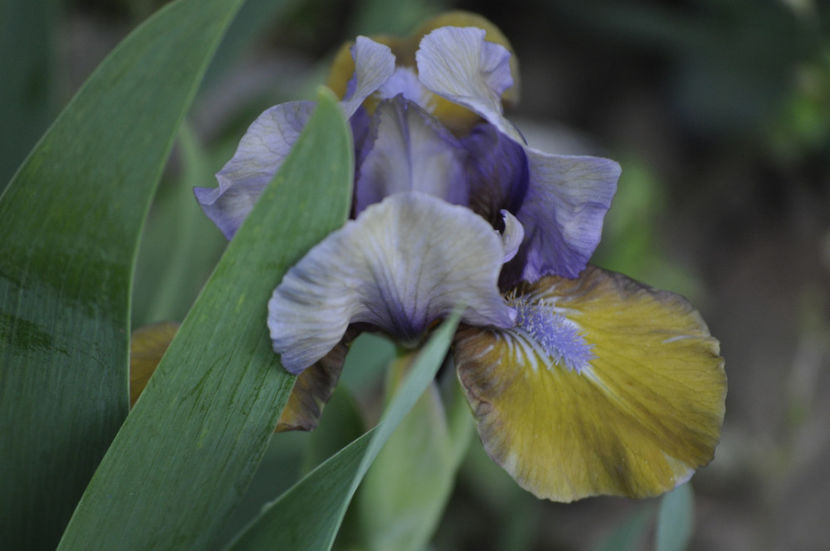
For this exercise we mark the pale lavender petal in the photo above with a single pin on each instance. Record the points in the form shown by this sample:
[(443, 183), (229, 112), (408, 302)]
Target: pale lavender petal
[(562, 212), (405, 82), (512, 235), (401, 265), (374, 64), (260, 153), (497, 171), (458, 64), (411, 152)]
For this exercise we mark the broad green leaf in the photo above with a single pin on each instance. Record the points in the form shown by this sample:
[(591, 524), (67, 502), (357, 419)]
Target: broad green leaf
[(70, 221), (675, 519), (189, 448), (408, 485), (629, 534), (309, 514)]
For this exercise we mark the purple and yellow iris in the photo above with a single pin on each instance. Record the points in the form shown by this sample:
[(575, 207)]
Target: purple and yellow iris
[(582, 381)]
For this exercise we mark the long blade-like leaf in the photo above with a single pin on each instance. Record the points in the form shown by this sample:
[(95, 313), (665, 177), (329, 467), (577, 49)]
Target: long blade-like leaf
[(70, 221), (189, 448), (309, 514)]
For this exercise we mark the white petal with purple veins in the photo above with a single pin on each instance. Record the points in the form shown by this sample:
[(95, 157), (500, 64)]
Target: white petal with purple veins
[(261, 151), (401, 265), (405, 82), (562, 212), (458, 64), (374, 63)]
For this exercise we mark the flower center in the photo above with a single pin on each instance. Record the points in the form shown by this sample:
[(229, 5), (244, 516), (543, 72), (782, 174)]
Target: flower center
[(559, 337)]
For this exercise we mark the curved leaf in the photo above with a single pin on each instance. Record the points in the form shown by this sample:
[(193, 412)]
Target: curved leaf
[(188, 450), (70, 221)]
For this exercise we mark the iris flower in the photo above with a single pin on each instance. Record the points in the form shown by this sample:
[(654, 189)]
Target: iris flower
[(581, 381)]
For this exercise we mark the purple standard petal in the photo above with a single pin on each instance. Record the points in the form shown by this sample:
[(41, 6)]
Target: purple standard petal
[(562, 212), (405, 82), (411, 152), (362, 133), (401, 265), (458, 64), (497, 171), (374, 63), (260, 153)]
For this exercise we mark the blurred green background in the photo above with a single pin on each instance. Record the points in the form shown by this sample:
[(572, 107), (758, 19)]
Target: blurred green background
[(719, 113)]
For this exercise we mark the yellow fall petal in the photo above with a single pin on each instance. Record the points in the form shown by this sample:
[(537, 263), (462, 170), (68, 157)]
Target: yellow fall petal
[(641, 413), (147, 346)]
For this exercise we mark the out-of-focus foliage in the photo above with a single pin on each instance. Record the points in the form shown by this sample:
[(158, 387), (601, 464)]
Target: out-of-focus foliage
[(674, 520), (803, 122), (27, 62)]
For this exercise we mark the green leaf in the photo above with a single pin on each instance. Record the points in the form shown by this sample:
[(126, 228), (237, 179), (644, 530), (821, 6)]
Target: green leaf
[(406, 489), (459, 417), (309, 514), (189, 448), (629, 534), (70, 221), (675, 519)]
